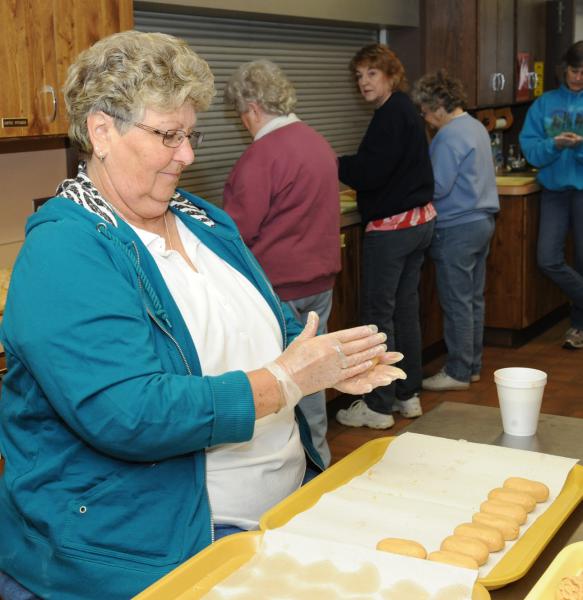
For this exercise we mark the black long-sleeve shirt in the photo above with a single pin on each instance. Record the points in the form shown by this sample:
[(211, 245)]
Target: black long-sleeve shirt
[(391, 171)]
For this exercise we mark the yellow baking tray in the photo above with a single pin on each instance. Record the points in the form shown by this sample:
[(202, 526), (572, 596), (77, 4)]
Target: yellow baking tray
[(202, 572), (569, 561), (515, 563)]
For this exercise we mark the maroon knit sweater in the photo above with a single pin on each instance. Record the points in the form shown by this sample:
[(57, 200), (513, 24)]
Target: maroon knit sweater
[(283, 195)]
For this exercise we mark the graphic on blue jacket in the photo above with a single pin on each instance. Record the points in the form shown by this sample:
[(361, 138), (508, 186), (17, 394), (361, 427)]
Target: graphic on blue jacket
[(555, 112)]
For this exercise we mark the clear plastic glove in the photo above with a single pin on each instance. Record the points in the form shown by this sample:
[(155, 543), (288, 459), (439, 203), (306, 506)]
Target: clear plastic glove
[(316, 363), (382, 373)]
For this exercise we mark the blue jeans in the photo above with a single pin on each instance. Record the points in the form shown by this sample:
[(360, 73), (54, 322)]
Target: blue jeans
[(460, 254), (391, 269), (10, 589), (314, 405), (559, 213), (222, 531)]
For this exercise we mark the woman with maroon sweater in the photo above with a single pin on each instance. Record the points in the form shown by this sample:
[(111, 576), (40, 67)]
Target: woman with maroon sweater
[(392, 175), (283, 195)]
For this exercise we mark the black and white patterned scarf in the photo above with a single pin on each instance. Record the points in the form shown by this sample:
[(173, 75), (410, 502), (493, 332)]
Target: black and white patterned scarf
[(82, 191)]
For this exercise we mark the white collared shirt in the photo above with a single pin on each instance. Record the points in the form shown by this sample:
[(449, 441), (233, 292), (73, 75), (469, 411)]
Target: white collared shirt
[(233, 328), (276, 123)]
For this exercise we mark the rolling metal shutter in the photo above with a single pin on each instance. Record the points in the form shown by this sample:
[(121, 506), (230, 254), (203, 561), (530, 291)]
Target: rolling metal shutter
[(315, 58)]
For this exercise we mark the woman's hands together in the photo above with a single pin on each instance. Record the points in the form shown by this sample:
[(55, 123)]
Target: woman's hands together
[(382, 373), (567, 139), (353, 360)]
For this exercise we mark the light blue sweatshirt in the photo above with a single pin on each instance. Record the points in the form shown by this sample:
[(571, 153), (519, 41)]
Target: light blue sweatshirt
[(553, 113), (465, 181)]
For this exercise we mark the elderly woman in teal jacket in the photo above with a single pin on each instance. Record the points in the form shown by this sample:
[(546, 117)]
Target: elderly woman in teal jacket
[(144, 409), (552, 140)]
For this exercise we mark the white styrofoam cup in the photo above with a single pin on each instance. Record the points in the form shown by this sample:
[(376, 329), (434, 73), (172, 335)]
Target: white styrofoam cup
[(520, 394)]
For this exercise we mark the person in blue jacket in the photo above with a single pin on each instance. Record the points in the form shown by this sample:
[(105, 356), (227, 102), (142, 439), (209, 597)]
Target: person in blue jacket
[(552, 140), (153, 374)]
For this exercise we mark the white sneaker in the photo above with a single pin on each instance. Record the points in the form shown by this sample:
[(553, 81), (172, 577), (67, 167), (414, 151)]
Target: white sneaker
[(358, 414), (442, 381), (475, 378), (573, 339), (410, 408)]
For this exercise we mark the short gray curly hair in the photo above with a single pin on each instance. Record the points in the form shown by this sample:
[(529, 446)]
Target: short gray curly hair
[(436, 90), (126, 73), (261, 81)]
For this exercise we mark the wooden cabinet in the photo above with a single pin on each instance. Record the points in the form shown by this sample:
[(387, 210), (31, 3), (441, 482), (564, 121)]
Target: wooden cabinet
[(346, 296), (530, 42), (495, 69), (517, 293), (346, 299), (39, 41), (474, 41)]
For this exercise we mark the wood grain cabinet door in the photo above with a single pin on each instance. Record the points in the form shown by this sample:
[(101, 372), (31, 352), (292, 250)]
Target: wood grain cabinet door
[(28, 94), (346, 298), (39, 40), (495, 52), (530, 39), (81, 23)]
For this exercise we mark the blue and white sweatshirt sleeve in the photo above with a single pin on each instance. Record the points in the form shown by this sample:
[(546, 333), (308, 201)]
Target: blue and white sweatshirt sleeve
[(553, 113)]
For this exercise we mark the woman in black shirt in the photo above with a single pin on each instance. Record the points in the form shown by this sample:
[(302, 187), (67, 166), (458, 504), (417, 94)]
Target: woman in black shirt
[(392, 175)]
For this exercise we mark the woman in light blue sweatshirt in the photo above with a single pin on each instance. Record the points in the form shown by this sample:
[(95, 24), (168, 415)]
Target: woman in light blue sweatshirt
[(466, 201), (552, 141)]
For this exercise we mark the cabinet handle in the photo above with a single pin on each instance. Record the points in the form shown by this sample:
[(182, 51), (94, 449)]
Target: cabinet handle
[(494, 82), (502, 82), (342, 240), (49, 89), (532, 80)]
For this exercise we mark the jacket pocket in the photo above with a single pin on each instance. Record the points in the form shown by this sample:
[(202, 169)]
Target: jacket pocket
[(139, 514)]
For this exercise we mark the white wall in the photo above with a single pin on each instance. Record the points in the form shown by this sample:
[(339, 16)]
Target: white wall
[(377, 12), (24, 176)]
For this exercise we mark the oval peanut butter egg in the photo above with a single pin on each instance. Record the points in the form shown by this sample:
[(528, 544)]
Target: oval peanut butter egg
[(507, 526), (473, 547), (490, 536), (525, 500), (506, 509), (402, 546), (453, 558), (537, 489)]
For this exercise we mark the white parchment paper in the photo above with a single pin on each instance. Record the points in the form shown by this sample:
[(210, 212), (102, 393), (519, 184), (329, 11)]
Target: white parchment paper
[(431, 580), (422, 488)]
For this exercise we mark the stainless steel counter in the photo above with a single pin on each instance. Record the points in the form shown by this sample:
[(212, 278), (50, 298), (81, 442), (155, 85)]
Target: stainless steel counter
[(561, 436)]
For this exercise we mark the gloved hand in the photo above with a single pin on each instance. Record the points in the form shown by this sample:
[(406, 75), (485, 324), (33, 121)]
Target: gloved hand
[(311, 363), (381, 374)]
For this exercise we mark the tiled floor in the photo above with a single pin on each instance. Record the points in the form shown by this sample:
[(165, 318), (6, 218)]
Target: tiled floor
[(563, 393)]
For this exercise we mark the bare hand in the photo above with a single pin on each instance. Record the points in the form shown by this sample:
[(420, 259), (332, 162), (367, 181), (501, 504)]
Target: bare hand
[(567, 139)]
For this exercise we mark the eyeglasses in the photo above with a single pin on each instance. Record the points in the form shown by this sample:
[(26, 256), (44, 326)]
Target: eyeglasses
[(174, 137)]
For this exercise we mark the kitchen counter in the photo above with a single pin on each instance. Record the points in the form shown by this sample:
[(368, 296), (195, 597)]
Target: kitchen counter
[(516, 185)]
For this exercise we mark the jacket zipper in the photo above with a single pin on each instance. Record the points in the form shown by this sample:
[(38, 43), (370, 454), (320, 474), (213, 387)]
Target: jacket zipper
[(155, 319), (189, 371)]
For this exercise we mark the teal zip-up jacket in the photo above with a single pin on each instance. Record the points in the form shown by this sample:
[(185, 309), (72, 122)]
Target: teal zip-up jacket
[(104, 415), (553, 113)]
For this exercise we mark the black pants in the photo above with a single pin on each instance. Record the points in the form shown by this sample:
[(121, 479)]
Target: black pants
[(391, 269)]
